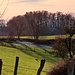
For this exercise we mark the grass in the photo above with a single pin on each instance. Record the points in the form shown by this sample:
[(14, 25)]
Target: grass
[(32, 37), (28, 65), (51, 37)]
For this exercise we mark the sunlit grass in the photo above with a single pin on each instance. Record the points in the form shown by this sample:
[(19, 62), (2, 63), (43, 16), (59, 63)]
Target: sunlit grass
[(51, 37), (28, 65)]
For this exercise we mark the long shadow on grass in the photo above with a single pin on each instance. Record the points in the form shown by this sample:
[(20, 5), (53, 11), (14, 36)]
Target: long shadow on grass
[(34, 53), (46, 51)]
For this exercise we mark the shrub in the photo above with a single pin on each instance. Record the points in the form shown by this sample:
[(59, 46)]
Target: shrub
[(61, 48), (58, 69)]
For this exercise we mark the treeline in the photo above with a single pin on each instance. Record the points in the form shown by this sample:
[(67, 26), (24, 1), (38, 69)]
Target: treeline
[(38, 23)]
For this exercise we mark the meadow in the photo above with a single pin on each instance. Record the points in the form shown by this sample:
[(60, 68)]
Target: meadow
[(28, 65), (51, 37)]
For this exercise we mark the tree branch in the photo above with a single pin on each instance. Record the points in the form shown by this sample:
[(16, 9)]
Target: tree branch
[(4, 9)]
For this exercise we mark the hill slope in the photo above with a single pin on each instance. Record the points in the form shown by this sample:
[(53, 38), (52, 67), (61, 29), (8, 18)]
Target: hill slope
[(29, 60)]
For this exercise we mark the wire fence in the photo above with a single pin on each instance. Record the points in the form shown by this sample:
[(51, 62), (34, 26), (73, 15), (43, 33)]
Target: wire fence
[(21, 70)]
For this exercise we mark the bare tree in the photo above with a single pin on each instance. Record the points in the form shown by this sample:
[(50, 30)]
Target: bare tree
[(37, 20), (16, 26), (3, 12), (3, 7), (67, 45)]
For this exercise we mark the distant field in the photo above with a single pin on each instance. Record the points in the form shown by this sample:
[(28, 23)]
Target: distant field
[(46, 37), (28, 65), (40, 37)]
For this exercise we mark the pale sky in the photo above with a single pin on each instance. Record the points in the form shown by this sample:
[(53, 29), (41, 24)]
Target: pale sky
[(19, 7)]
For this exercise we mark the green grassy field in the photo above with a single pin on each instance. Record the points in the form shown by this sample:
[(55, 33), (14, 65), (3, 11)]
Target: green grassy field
[(28, 65), (40, 37)]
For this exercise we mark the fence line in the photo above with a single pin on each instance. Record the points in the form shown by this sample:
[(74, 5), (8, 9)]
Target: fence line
[(23, 67), (71, 68), (15, 70)]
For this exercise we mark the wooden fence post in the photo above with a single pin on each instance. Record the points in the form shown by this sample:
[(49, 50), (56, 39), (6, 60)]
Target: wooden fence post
[(16, 66), (0, 66), (74, 68), (41, 67), (71, 68)]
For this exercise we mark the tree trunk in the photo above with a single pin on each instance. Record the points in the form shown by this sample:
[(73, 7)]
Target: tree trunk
[(18, 37), (36, 37), (71, 56), (70, 70)]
